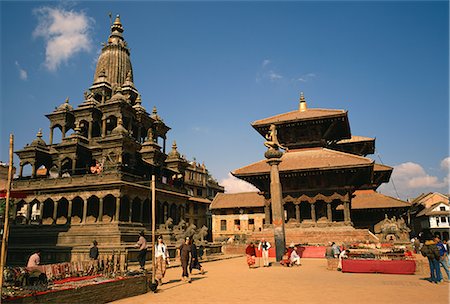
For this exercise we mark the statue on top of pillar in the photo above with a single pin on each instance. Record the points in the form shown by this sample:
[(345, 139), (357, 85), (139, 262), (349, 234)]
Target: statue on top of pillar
[(272, 139)]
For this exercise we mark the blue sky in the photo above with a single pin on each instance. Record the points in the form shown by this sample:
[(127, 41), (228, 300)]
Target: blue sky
[(212, 68)]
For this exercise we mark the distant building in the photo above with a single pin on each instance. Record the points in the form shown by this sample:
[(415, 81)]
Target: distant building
[(431, 211)]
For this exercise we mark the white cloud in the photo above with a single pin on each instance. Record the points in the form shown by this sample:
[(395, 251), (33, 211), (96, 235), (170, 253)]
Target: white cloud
[(265, 62), (235, 185), (445, 163), (274, 76), (66, 33), (306, 77), (22, 72), (411, 179)]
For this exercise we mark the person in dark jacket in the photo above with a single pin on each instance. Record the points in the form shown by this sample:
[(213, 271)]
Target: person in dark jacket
[(431, 252), (93, 252), (185, 254), (195, 264)]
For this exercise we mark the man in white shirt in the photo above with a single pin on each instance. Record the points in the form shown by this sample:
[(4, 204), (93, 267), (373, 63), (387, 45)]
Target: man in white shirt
[(342, 255), (264, 248), (295, 258)]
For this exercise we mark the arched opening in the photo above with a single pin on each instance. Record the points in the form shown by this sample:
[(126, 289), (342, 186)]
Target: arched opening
[(124, 214), (27, 170), (70, 132), (21, 212), (136, 210), (57, 134), (146, 212), (173, 213), (84, 126), (66, 167), (92, 209), (96, 130), (62, 211), (338, 215), (305, 211), (109, 208), (111, 123), (321, 210), (42, 171), (77, 210), (53, 172), (289, 211), (35, 210), (47, 212)]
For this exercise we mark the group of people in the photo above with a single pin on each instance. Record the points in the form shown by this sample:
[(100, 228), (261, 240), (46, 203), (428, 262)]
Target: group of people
[(290, 258), (333, 251), (437, 254)]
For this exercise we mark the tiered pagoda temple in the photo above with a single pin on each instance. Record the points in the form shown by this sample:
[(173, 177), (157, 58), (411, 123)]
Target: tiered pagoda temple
[(320, 171), (95, 182)]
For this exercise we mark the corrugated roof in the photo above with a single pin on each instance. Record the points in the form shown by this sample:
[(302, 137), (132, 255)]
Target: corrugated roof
[(370, 199), (307, 159), (298, 115), (237, 200)]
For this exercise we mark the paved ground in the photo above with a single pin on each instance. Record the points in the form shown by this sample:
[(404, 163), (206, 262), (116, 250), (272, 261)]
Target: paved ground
[(230, 281)]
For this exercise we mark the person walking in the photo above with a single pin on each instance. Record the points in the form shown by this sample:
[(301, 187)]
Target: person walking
[(185, 257), (93, 251), (250, 252), (161, 259), (195, 264), (142, 245), (264, 247), (431, 252), (443, 255)]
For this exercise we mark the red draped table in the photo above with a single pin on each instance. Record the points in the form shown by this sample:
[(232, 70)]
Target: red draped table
[(379, 266)]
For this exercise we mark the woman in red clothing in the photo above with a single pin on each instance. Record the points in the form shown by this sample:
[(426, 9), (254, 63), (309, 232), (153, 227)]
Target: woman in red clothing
[(250, 251)]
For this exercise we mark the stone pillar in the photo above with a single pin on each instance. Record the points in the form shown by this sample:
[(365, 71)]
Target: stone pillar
[(29, 212), (346, 212), (100, 209), (130, 214), (55, 211), (297, 213), (313, 212), (21, 170), (116, 216), (90, 129), (267, 214), (41, 211), (273, 159), (329, 212), (85, 205), (74, 165), (51, 136), (63, 131), (33, 170), (103, 127), (69, 211)]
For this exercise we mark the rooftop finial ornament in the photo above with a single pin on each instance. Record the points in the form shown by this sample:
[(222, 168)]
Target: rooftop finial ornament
[(302, 106)]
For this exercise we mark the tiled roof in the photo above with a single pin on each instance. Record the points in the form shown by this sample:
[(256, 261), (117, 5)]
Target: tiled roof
[(307, 159), (379, 167), (199, 199), (298, 115), (429, 211), (370, 199), (237, 200)]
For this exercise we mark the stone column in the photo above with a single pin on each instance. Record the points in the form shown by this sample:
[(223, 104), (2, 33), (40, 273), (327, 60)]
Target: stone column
[(130, 214), (100, 209), (297, 213), (85, 205), (267, 214), (33, 170), (51, 136), (69, 212), (21, 170), (116, 216), (313, 212), (41, 211), (90, 129), (103, 127), (55, 211), (63, 131), (329, 212), (29, 212), (346, 212), (273, 159), (164, 145)]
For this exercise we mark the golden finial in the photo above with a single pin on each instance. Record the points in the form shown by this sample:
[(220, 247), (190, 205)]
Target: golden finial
[(302, 106)]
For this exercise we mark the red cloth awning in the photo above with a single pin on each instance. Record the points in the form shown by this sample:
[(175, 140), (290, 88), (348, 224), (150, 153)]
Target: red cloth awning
[(14, 194)]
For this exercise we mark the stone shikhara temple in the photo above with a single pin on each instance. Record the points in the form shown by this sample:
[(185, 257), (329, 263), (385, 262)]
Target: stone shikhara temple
[(95, 182), (322, 171)]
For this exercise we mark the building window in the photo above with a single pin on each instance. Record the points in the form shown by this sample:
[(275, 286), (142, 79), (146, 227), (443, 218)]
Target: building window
[(443, 219), (195, 209), (199, 192), (442, 208), (223, 225), (237, 225), (251, 224)]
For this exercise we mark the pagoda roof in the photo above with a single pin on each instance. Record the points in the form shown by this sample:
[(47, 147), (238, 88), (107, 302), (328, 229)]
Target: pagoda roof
[(370, 199), (307, 159), (308, 114), (237, 200)]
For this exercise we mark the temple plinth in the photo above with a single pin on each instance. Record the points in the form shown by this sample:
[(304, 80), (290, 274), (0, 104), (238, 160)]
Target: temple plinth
[(276, 194)]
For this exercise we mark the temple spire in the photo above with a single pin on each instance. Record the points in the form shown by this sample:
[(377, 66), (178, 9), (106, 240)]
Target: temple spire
[(302, 106)]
